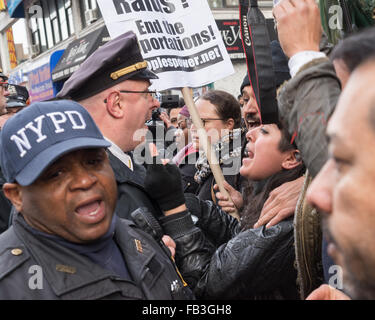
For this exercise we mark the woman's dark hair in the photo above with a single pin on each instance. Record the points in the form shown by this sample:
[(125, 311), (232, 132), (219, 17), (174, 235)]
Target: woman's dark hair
[(226, 105), (256, 192), (284, 144)]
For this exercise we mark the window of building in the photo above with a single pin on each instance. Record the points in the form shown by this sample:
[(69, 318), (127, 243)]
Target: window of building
[(54, 25), (47, 24), (90, 12), (63, 19), (69, 15)]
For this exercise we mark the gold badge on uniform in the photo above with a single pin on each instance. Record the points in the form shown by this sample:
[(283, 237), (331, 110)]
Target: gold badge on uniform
[(66, 269), (138, 245)]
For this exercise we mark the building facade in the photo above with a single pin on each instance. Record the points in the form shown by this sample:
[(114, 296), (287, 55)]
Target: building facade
[(43, 42)]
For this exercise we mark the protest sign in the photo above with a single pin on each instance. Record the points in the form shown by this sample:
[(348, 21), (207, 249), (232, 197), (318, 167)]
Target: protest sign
[(179, 39), (183, 46)]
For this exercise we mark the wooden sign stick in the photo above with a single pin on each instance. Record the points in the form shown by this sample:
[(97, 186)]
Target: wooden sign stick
[(203, 138)]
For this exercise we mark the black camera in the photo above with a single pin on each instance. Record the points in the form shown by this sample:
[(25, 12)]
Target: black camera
[(169, 101), (155, 115), (155, 125)]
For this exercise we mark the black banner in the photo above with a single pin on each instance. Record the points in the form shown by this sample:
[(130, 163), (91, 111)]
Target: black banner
[(231, 35), (77, 52)]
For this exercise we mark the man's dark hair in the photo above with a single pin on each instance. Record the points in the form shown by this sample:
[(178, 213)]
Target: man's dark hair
[(355, 49), (181, 102), (226, 105), (169, 111), (284, 144)]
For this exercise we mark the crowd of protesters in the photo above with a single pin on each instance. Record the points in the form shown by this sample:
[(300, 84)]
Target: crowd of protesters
[(77, 202)]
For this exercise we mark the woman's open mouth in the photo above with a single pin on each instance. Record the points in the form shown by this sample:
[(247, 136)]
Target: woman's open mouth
[(248, 154)]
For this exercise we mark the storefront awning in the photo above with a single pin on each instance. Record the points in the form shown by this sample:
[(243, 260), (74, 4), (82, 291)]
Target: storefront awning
[(16, 8), (77, 52)]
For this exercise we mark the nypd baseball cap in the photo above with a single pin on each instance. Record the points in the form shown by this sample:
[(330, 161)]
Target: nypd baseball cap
[(38, 135)]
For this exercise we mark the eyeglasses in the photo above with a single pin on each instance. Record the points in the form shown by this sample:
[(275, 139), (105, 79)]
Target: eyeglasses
[(4, 85), (189, 121), (153, 94)]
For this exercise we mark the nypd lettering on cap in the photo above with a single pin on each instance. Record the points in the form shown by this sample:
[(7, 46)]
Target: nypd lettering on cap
[(38, 135), (33, 131)]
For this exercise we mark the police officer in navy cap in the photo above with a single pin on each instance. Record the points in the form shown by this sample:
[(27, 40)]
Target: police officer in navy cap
[(65, 241), (16, 101), (5, 205), (17, 98), (3, 91), (113, 85)]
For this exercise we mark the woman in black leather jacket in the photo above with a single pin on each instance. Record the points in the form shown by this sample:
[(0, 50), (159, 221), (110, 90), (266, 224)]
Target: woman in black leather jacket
[(231, 260)]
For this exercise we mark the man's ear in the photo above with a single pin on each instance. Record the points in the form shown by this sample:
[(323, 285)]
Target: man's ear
[(114, 105), (14, 193), (292, 160)]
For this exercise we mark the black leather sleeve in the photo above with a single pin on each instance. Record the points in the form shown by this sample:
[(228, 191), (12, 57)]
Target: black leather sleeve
[(193, 249), (254, 263), (218, 226), (220, 262)]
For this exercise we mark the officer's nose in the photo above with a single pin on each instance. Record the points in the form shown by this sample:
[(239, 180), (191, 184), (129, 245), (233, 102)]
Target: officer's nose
[(155, 103), (83, 178)]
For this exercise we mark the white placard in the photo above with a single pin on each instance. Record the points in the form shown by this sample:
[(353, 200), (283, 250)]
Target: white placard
[(178, 38)]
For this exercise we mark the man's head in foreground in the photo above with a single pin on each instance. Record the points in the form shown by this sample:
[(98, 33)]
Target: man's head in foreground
[(57, 171), (345, 187)]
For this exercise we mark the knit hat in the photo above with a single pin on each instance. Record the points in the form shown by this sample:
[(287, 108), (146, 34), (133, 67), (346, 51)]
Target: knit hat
[(185, 111)]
